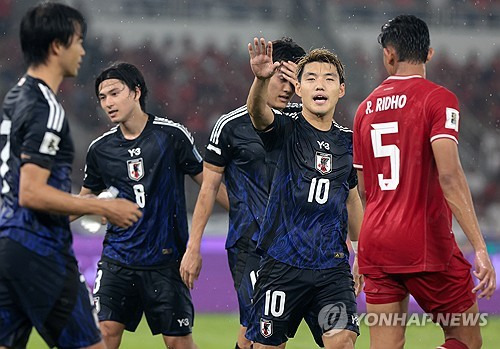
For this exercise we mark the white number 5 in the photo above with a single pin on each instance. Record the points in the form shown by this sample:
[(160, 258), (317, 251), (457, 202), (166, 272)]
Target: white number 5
[(391, 151)]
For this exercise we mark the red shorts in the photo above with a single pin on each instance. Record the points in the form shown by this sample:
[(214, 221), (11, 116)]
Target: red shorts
[(442, 292)]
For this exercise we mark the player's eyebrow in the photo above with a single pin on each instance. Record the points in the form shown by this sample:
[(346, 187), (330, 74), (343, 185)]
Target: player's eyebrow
[(332, 74), (310, 74), (113, 90)]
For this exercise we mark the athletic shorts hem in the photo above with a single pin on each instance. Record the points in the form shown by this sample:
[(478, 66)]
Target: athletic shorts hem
[(385, 300)]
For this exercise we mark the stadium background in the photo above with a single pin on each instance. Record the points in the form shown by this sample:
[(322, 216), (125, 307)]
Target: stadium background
[(193, 55)]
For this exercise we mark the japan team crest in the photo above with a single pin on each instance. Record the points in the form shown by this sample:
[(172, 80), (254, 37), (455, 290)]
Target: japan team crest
[(323, 163), (135, 169), (266, 328), (97, 304)]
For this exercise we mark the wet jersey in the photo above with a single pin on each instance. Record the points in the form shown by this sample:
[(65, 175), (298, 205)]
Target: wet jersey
[(248, 169), (407, 221), (34, 129), (305, 223), (148, 170)]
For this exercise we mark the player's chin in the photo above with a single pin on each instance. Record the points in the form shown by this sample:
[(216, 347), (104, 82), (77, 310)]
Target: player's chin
[(71, 74), (281, 103)]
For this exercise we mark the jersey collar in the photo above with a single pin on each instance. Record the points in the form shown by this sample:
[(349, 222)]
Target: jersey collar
[(404, 77)]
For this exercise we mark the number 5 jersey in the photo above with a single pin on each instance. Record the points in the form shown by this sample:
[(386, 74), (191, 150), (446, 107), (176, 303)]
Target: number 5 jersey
[(407, 222)]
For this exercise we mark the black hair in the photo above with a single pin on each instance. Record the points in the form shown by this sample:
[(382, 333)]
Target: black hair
[(285, 49), (321, 55), (409, 35), (129, 75), (46, 23)]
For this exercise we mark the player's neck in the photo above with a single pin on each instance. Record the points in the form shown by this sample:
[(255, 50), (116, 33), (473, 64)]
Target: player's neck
[(135, 124), (406, 69), (48, 74), (320, 122)]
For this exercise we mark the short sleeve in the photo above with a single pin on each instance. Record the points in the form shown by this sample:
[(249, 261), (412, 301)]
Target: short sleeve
[(274, 134), (188, 156), (43, 130), (357, 147), (218, 149), (92, 179), (443, 114), (353, 179)]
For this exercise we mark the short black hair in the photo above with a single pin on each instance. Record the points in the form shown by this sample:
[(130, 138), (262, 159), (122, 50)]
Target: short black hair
[(409, 35), (45, 23), (285, 49), (129, 75)]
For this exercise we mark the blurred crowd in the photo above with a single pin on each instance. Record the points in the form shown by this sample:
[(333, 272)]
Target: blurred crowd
[(194, 85), (440, 12)]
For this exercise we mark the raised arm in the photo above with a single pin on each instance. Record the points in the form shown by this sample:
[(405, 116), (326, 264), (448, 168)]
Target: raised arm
[(210, 187), (263, 68), (457, 194)]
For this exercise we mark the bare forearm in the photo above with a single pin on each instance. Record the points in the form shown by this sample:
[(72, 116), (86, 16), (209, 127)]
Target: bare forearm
[(202, 211), (222, 198), (258, 109), (458, 196), (49, 199), (355, 214)]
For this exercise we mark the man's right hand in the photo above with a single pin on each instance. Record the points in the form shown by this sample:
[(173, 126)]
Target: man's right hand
[(261, 59), (485, 272), (190, 266), (121, 212)]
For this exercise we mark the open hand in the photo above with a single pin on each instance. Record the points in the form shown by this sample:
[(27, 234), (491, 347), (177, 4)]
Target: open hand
[(261, 58)]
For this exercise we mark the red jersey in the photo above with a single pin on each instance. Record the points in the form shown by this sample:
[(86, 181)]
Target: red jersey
[(407, 221)]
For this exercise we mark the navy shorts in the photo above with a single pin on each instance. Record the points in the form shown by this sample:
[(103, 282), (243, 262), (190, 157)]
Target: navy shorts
[(123, 294), (284, 295), (244, 263), (47, 293)]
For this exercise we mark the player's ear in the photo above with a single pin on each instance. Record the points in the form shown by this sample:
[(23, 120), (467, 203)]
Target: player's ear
[(137, 96), (297, 89), (430, 54), (55, 47), (342, 90), (389, 55)]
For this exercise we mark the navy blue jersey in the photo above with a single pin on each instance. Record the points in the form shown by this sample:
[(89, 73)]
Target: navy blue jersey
[(34, 130), (305, 223), (148, 170), (248, 170), (235, 145)]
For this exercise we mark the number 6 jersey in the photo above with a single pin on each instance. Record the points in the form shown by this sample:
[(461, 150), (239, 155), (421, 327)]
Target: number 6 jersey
[(148, 170), (305, 224)]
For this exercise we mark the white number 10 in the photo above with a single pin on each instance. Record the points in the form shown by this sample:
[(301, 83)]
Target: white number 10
[(391, 151)]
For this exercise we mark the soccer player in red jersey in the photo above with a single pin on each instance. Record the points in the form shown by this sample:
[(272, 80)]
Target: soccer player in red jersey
[(405, 150)]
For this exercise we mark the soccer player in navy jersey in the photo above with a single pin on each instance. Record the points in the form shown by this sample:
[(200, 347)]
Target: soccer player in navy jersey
[(236, 152), (405, 150), (313, 201), (40, 284), (146, 158)]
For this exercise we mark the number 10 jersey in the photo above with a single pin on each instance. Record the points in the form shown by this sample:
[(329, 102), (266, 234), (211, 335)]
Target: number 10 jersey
[(305, 223)]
